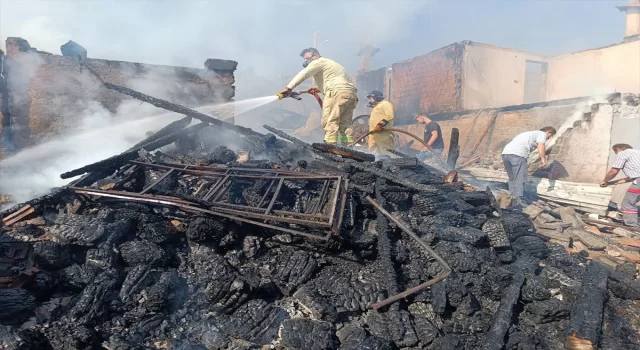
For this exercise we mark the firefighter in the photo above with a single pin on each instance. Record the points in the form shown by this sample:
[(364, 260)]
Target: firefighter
[(381, 116), (339, 92)]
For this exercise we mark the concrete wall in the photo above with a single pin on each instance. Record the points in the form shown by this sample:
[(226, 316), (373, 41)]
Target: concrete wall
[(47, 93), (431, 83), (494, 76), (592, 72)]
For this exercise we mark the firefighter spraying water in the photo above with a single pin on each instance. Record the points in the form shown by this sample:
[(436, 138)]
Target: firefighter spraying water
[(339, 92)]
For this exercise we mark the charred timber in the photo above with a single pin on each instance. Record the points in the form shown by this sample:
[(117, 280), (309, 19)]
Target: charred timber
[(113, 163), (167, 130), (344, 152), (403, 226), (454, 149), (502, 318), (384, 249), (287, 137), (585, 325), (387, 176), (181, 109)]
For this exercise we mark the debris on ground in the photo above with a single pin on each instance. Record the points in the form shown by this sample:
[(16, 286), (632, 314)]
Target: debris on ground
[(301, 247)]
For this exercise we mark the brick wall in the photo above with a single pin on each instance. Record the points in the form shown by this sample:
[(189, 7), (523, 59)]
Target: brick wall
[(431, 83), (48, 93)]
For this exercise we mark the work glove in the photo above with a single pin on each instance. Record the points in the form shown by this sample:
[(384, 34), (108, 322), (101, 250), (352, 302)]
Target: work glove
[(380, 126), (282, 94)]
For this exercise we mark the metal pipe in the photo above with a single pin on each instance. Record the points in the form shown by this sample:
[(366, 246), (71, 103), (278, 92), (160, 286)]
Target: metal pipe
[(405, 228)]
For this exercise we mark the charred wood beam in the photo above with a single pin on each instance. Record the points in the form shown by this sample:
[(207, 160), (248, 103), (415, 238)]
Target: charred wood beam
[(398, 153), (384, 249), (167, 130), (585, 325), (494, 339), (287, 137), (344, 152), (181, 109), (387, 176), (454, 149), (172, 106), (405, 228), (111, 164)]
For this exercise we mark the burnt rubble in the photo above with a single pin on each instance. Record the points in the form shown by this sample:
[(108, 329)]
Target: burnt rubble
[(298, 247)]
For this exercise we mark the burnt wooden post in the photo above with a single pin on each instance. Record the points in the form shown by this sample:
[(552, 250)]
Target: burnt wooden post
[(454, 149)]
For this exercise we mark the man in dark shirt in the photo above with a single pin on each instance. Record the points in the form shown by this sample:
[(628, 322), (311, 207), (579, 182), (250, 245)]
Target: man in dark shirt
[(432, 137)]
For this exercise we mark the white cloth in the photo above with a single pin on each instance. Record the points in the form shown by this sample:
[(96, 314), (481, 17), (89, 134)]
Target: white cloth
[(525, 143)]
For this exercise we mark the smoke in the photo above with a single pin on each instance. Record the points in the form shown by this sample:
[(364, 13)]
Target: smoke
[(99, 135), (576, 115), (266, 35)]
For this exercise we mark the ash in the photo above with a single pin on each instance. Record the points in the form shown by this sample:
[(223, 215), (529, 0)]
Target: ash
[(94, 272)]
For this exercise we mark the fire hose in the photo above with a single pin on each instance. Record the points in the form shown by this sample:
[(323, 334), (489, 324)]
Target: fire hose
[(435, 155), (296, 95)]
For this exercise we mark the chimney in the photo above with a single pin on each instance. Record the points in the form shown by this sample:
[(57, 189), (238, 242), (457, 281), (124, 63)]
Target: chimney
[(632, 9)]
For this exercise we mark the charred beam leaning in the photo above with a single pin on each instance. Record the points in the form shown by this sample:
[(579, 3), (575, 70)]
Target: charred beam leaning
[(117, 161), (344, 152), (454, 149), (167, 130), (181, 109)]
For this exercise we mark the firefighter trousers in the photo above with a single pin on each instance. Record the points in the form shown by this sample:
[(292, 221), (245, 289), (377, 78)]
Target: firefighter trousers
[(337, 116)]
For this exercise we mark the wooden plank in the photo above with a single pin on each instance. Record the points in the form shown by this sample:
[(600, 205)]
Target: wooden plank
[(586, 238), (16, 213), (632, 242), (555, 235), (22, 215), (630, 256)]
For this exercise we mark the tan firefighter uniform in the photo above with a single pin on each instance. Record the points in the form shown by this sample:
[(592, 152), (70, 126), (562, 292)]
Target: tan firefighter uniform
[(339, 97), (381, 141)]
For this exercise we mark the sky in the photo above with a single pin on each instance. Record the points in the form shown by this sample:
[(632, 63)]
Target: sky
[(268, 35)]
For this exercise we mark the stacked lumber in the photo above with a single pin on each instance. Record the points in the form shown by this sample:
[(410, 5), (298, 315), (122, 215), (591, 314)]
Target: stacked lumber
[(603, 241)]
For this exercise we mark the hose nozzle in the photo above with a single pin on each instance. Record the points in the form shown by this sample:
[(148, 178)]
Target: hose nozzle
[(292, 94)]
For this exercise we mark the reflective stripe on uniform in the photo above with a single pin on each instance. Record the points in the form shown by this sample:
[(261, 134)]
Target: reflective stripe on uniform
[(633, 190), (331, 139)]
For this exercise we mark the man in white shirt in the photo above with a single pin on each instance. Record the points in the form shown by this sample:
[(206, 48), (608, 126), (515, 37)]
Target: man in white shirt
[(627, 160), (515, 156)]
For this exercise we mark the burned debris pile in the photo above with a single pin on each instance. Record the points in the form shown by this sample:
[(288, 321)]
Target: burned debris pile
[(297, 247)]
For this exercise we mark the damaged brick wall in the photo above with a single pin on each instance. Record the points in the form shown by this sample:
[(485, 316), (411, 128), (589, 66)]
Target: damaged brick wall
[(431, 83), (48, 93)]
